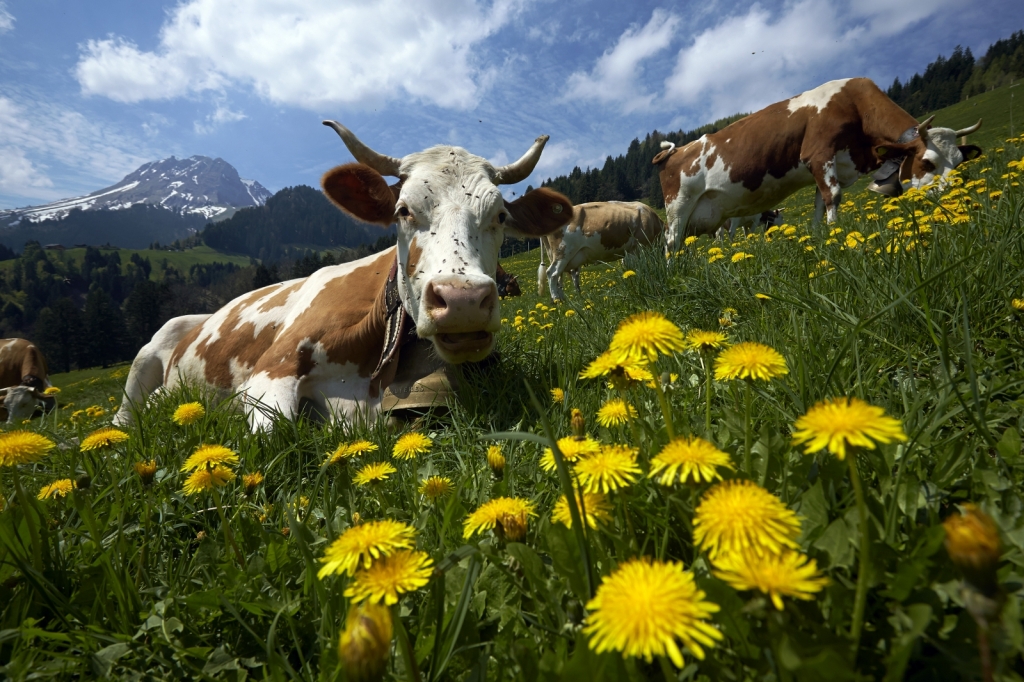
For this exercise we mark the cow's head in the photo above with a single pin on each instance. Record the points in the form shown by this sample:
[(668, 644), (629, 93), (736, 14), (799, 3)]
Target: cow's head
[(21, 402), (930, 155), (451, 220)]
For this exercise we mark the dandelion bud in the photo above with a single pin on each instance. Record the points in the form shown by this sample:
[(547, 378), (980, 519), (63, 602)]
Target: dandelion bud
[(972, 541), (365, 643), (496, 461), (356, 519), (579, 425), (146, 471), (200, 536)]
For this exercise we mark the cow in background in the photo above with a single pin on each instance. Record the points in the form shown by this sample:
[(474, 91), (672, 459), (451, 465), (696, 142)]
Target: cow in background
[(23, 375), (828, 137), (508, 284), (328, 345), (599, 231), (760, 221)]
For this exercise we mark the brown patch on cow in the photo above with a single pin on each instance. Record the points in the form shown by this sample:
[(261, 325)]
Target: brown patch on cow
[(280, 298), (360, 191), (415, 252), (539, 212), (711, 160), (687, 162), (21, 362)]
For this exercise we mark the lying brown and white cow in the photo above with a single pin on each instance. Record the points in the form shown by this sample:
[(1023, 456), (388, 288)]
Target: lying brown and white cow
[(329, 343), (599, 231), (828, 137), (508, 284), (23, 374)]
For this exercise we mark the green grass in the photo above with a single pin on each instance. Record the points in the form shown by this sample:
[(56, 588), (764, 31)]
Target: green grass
[(141, 582), (181, 260)]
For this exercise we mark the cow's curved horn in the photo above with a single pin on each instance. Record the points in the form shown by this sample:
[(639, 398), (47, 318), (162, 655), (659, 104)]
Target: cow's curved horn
[(969, 129), (521, 169), (923, 126), (383, 164), (3, 391)]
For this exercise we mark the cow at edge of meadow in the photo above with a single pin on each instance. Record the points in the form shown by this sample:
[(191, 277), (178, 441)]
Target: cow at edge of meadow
[(327, 345), (828, 137), (23, 376), (599, 231)]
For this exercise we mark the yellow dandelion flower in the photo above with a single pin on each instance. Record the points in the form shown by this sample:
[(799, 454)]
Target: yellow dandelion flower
[(1018, 304), (837, 423), (763, 297), (643, 336), (188, 413), (365, 643), (572, 449), (854, 239), (411, 444), (436, 487), (645, 606), (973, 544), (705, 342), (207, 478), (741, 256), (689, 240), (395, 574), (613, 467), (594, 507), (557, 396), (146, 471), (59, 488), (789, 574), (750, 360), (51, 390), (496, 460), (361, 545), (628, 273), (23, 447), (500, 514), (570, 312), (689, 458), (622, 373), (715, 258), (737, 515), (374, 472), (103, 438), (251, 482), (210, 455), (615, 412)]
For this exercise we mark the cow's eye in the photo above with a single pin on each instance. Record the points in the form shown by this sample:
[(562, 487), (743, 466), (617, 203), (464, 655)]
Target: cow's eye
[(403, 211), (501, 217)]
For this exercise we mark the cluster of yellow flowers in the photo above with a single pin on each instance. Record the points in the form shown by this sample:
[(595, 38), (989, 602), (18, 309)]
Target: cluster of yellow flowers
[(92, 412)]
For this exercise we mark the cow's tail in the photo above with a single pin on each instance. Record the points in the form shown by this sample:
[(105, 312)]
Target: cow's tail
[(670, 146), (541, 270)]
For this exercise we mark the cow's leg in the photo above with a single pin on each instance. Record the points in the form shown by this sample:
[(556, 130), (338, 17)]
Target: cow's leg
[(147, 372), (555, 272), (575, 274), (678, 211), (829, 193)]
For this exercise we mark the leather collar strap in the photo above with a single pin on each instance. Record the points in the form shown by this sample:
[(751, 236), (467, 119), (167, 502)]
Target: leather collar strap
[(892, 165), (398, 326)]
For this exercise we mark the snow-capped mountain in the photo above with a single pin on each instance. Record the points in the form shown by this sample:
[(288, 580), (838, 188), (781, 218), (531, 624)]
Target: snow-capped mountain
[(197, 185)]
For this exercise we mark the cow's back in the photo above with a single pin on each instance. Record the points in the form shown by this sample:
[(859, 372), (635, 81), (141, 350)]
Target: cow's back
[(20, 358)]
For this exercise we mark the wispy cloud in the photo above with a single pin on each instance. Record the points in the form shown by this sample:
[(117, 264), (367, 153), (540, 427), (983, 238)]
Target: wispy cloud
[(307, 53), (6, 18), (615, 78), (221, 115)]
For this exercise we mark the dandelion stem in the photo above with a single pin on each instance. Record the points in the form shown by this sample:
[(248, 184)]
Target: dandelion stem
[(228, 537), (665, 411), (707, 395), (404, 645), (666, 669), (29, 509), (860, 599), (747, 433)]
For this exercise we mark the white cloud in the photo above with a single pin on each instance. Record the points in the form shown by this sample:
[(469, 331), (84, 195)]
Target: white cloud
[(38, 139), (6, 18), (221, 115), (749, 60), (616, 75), (307, 53)]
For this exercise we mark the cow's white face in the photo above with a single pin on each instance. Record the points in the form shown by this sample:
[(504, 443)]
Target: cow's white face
[(20, 403), (451, 220), (940, 156)]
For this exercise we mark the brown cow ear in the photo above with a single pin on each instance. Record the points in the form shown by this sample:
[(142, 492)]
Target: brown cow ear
[(537, 213), (360, 191), (970, 151)]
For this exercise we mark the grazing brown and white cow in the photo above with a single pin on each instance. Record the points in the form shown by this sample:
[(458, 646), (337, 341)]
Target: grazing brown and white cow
[(599, 231), (508, 284), (23, 375), (828, 137), (329, 343)]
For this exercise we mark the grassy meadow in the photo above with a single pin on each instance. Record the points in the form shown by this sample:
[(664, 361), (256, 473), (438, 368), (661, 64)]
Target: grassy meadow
[(908, 305)]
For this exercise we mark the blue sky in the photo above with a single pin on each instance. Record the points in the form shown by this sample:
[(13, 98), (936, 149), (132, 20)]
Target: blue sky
[(90, 90)]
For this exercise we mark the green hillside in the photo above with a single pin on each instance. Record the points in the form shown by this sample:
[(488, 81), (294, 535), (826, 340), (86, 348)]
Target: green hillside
[(994, 108), (181, 260)]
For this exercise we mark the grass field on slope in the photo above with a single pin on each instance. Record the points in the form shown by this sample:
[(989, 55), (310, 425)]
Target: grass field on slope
[(912, 306), (181, 260)]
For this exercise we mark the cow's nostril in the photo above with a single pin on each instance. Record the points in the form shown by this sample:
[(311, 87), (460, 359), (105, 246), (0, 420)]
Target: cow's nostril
[(488, 301), (435, 301)]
